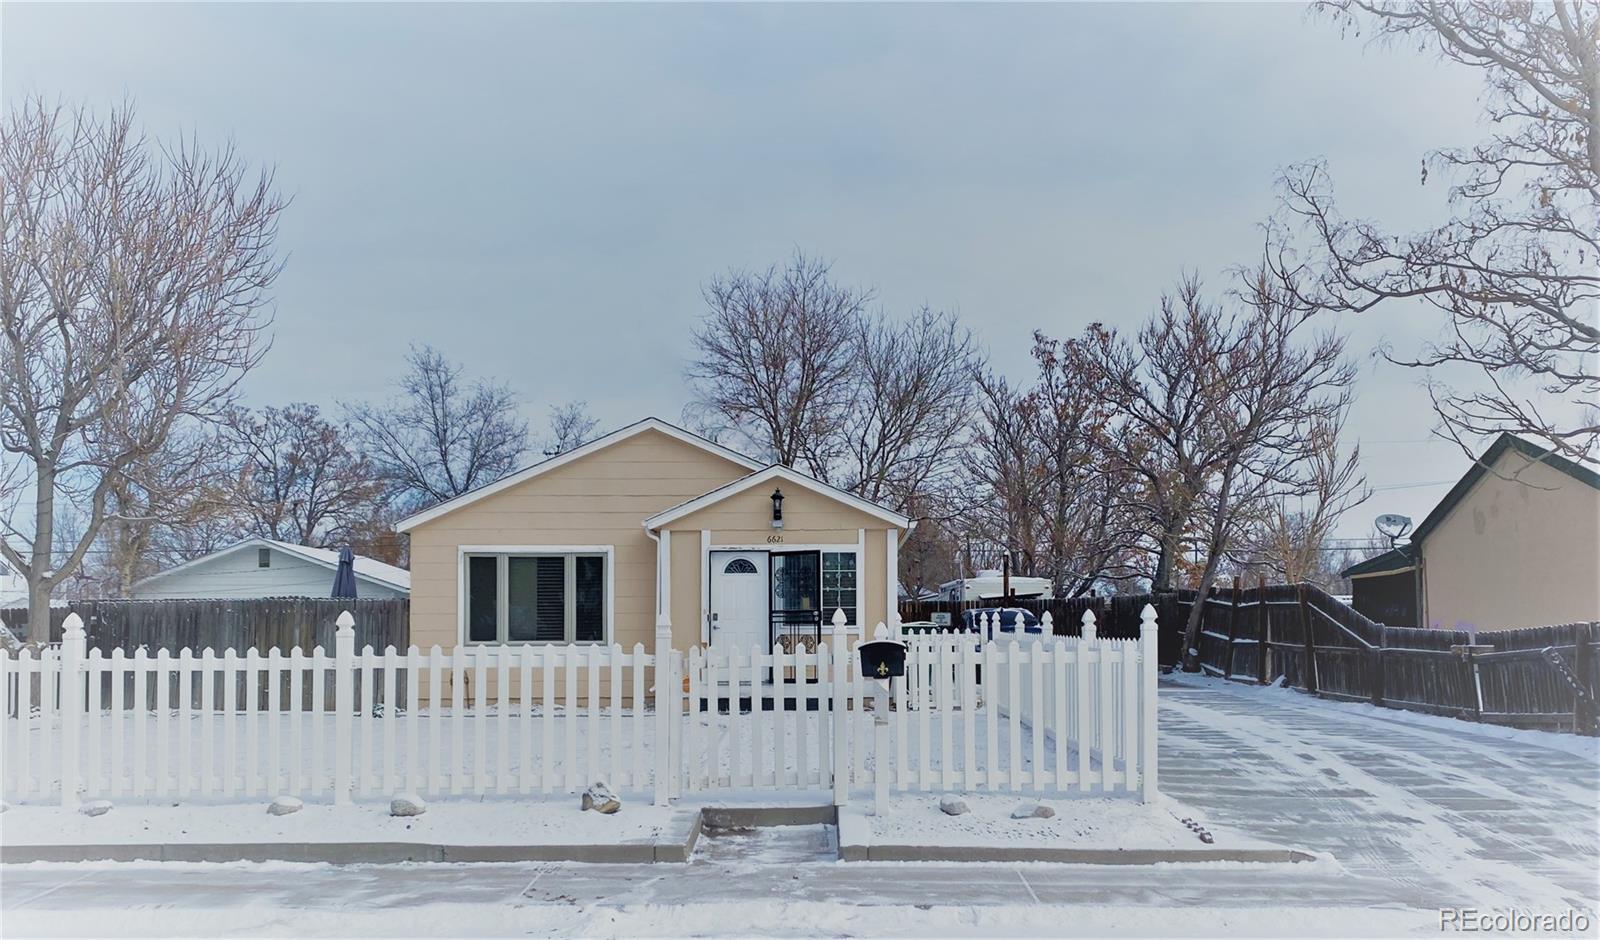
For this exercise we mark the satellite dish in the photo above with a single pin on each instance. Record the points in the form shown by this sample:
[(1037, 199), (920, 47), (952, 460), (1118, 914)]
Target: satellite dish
[(1393, 525)]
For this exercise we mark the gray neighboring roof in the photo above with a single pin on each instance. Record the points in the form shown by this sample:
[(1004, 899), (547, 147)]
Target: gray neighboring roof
[(369, 568), (1393, 561)]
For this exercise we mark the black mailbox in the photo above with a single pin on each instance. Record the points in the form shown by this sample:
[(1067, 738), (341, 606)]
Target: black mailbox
[(882, 659)]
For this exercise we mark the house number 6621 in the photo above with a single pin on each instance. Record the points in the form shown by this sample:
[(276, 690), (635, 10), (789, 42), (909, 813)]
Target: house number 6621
[(774, 539)]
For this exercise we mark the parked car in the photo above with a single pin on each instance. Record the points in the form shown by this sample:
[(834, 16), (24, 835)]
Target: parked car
[(977, 621)]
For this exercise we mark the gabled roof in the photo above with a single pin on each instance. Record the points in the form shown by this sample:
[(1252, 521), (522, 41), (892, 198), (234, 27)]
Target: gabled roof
[(578, 453), (780, 473), (368, 568), (1503, 443), (1392, 561)]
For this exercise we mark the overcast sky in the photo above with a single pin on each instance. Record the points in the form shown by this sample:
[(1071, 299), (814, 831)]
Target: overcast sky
[(539, 191)]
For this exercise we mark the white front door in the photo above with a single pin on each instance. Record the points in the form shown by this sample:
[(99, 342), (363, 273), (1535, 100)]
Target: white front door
[(739, 599)]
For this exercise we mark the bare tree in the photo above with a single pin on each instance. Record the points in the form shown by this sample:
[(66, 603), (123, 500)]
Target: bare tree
[(1090, 529), (440, 436), (181, 486), (1515, 268), (1225, 411), (299, 482), (570, 425), (132, 285), (1290, 537), (910, 405), (1005, 471), (773, 357)]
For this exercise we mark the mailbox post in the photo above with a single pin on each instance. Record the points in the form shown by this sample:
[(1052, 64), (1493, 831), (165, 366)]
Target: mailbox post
[(883, 660)]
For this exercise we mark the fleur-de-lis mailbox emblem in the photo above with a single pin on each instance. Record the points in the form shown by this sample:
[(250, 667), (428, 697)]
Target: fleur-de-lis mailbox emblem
[(883, 670)]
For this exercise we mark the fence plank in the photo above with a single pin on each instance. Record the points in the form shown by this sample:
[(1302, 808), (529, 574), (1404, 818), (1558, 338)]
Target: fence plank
[(297, 782), (436, 721), (480, 722), (140, 712), (525, 755), (319, 716), (92, 769), (547, 741), (390, 714)]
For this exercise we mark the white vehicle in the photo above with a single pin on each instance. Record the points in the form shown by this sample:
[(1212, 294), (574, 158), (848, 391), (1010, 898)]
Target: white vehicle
[(990, 585)]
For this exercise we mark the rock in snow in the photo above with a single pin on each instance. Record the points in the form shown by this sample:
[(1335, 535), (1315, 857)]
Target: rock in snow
[(96, 808), (407, 804), (600, 799), (1032, 811), (284, 805), (954, 806)]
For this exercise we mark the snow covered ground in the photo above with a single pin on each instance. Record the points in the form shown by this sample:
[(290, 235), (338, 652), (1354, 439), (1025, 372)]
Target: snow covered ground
[(1078, 823), (1416, 815), (488, 821)]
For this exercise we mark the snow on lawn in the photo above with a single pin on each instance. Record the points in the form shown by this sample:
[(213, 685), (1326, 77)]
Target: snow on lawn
[(1079, 823), (461, 821)]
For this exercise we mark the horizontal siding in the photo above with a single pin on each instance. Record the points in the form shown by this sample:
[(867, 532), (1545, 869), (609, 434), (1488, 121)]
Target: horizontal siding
[(602, 499)]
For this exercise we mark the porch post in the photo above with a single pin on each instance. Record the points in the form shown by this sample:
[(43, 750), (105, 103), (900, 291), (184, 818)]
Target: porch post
[(891, 554), (664, 573)]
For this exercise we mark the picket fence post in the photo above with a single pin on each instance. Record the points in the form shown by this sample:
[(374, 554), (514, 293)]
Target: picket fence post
[(344, 690), (838, 656), (665, 690), (1148, 671), (71, 664)]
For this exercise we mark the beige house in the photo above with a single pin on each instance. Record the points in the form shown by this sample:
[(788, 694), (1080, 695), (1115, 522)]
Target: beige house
[(1515, 543), (650, 525)]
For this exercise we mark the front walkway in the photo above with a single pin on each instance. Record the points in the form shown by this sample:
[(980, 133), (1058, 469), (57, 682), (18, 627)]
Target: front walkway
[(1419, 814)]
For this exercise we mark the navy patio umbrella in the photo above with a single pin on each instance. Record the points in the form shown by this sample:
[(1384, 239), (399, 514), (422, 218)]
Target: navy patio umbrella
[(344, 580)]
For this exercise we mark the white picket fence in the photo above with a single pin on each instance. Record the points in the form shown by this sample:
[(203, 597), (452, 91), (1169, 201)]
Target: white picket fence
[(1051, 715)]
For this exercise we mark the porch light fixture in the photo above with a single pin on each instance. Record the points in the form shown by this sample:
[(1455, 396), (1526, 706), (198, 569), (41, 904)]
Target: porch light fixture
[(777, 509)]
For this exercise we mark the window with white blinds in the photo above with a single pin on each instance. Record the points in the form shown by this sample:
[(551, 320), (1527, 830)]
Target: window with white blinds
[(517, 598)]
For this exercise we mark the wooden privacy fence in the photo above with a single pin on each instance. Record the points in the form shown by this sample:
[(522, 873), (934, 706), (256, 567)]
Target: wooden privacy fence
[(259, 623), (1117, 617), (1536, 677), (1054, 714)]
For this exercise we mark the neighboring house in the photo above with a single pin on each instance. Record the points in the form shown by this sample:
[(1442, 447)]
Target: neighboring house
[(1515, 543), (648, 522), (269, 568)]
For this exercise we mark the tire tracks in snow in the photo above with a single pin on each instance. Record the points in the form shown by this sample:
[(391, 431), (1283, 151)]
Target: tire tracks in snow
[(1433, 842)]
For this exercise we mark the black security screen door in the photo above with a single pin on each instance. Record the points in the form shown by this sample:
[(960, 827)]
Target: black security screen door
[(796, 599)]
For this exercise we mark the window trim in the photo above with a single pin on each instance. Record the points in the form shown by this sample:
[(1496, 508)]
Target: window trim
[(464, 552)]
